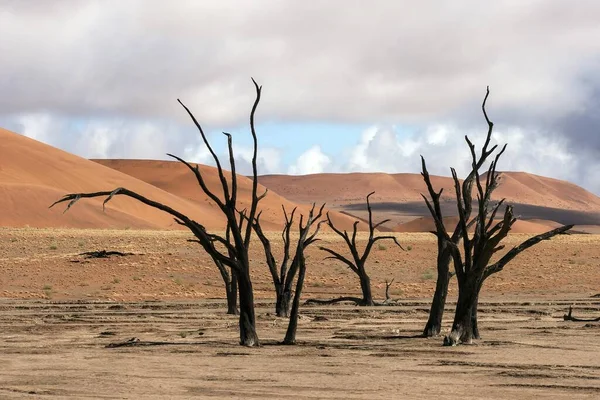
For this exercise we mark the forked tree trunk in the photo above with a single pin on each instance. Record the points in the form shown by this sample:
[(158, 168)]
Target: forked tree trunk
[(462, 327), (436, 313), (365, 286), (290, 335), (248, 336)]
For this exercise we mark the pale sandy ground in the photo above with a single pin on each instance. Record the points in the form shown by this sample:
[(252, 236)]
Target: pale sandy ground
[(53, 313), (44, 263)]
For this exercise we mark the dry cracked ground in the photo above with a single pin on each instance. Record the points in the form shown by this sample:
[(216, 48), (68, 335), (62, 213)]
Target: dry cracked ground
[(59, 311)]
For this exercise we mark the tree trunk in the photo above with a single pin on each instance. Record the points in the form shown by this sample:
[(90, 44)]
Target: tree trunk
[(365, 286), (436, 313), (248, 336), (282, 305), (462, 327), (290, 335), (474, 325), (231, 288)]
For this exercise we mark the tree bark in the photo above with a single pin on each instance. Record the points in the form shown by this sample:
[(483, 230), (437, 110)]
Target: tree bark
[(248, 336), (365, 286), (462, 327), (474, 326), (282, 304), (231, 289), (290, 335), (436, 313)]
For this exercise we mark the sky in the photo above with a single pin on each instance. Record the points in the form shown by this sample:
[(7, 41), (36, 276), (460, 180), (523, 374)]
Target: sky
[(347, 85)]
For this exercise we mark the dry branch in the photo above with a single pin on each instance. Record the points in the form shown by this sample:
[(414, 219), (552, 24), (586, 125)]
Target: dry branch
[(104, 254), (570, 317)]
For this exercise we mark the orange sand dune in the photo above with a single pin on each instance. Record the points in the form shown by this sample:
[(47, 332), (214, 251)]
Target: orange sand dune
[(33, 175), (176, 178), (426, 224), (344, 189), (525, 188)]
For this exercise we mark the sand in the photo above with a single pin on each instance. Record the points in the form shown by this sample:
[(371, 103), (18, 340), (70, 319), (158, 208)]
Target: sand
[(59, 311)]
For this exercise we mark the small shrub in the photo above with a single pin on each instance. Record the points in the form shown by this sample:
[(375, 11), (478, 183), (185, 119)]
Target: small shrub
[(183, 334), (136, 278), (53, 247), (116, 280), (382, 247), (409, 247), (427, 275), (47, 290)]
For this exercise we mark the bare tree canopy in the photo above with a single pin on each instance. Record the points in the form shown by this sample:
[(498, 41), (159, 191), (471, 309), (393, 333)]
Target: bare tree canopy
[(472, 266)]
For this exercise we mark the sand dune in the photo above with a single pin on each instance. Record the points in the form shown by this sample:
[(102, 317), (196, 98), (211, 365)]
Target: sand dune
[(176, 178), (538, 201), (426, 224), (344, 189), (33, 175)]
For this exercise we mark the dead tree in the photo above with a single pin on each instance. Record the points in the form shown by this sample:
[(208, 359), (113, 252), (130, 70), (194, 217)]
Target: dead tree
[(357, 262), (473, 266), (235, 256), (433, 326), (299, 264), (283, 278), (388, 298)]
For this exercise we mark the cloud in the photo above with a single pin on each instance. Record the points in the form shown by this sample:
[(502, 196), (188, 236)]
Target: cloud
[(312, 161), (347, 62), (111, 65), (382, 149)]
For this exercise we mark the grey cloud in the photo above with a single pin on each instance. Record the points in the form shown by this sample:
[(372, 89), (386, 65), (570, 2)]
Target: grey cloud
[(420, 63), (334, 60)]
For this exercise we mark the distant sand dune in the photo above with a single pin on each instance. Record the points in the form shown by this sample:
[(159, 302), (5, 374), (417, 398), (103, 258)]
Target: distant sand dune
[(33, 175)]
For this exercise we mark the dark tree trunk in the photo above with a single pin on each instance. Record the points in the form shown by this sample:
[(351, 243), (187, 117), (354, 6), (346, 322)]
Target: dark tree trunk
[(290, 336), (365, 286), (474, 325), (436, 313), (462, 327), (282, 306), (231, 288), (248, 336)]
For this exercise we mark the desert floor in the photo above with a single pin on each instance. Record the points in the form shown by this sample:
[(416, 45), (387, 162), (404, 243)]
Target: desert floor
[(58, 311)]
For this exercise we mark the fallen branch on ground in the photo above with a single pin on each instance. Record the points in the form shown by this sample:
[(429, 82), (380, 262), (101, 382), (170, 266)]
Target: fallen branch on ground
[(135, 342), (104, 254), (355, 300), (570, 317)]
